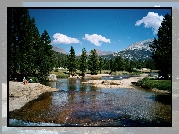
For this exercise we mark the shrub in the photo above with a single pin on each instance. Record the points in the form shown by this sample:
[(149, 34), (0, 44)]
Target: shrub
[(159, 84)]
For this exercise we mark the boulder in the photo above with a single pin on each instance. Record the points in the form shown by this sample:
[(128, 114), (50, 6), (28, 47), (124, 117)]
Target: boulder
[(52, 77)]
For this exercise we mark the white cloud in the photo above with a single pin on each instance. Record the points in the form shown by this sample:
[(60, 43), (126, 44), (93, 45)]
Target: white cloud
[(152, 20), (96, 39), (63, 39)]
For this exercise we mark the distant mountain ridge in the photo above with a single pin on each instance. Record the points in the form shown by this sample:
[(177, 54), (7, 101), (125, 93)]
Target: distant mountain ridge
[(100, 52), (141, 45), (60, 50), (136, 51)]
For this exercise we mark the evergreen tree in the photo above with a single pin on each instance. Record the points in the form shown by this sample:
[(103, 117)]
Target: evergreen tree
[(100, 64), (119, 63), (20, 42), (127, 65), (132, 65), (12, 42), (71, 58), (45, 57), (65, 61), (59, 59), (29, 53), (104, 65), (78, 63), (93, 62), (83, 62), (150, 64), (110, 64), (139, 64), (161, 47)]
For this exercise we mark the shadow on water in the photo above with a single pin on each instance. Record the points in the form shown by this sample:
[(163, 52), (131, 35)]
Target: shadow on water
[(162, 98), (79, 104)]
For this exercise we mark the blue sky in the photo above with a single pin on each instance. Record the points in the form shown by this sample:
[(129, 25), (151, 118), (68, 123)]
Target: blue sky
[(103, 29)]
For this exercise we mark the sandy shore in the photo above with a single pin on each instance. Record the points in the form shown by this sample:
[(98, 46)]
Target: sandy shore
[(20, 94), (124, 83)]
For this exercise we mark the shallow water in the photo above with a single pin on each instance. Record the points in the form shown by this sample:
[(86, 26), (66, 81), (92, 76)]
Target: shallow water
[(77, 104)]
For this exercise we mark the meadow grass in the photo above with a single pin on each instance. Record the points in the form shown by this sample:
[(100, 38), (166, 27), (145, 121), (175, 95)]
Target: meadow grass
[(152, 83), (60, 73)]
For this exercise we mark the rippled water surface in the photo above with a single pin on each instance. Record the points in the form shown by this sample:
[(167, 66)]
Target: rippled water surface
[(77, 104)]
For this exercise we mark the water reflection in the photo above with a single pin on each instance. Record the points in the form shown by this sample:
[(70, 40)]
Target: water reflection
[(162, 98), (60, 97), (86, 105)]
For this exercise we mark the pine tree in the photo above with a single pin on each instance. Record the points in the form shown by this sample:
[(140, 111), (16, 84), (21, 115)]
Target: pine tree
[(93, 62), (132, 65), (29, 53), (45, 57), (119, 63), (161, 47), (150, 64), (105, 64), (127, 65), (71, 58), (100, 64), (19, 40), (12, 42), (83, 62), (112, 65)]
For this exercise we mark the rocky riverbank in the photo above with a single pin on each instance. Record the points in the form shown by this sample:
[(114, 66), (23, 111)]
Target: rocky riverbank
[(20, 94), (124, 83)]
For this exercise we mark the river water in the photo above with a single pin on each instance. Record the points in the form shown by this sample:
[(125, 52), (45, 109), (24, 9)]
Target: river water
[(82, 104)]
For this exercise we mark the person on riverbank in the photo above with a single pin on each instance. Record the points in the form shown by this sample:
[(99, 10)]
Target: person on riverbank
[(25, 81)]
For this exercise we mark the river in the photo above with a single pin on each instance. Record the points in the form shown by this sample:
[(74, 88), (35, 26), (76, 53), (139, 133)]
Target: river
[(81, 104)]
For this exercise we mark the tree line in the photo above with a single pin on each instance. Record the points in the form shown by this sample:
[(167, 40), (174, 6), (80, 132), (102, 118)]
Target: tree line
[(96, 63)]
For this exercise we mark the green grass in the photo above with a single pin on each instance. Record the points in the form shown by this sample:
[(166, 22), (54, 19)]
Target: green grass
[(60, 73), (159, 84)]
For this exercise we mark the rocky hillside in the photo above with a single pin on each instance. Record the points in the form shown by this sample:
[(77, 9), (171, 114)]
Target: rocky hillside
[(100, 52), (60, 50), (137, 50)]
